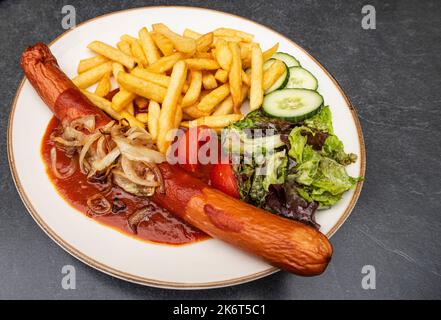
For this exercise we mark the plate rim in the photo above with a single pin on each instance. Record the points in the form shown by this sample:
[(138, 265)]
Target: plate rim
[(158, 283)]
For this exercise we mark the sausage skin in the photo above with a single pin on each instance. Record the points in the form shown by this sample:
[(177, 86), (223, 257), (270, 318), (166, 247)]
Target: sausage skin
[(284, 243)]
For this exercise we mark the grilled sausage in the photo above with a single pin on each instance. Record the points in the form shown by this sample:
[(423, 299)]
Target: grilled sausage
[(287, 244)]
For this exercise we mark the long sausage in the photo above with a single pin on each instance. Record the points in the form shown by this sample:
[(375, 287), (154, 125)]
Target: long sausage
[(287, 244)]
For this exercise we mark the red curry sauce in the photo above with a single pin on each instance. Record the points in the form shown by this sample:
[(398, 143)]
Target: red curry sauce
[(161, 226)]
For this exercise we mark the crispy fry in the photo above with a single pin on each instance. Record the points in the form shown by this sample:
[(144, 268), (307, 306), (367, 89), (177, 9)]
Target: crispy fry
[(92, 76), (143, 117), (148, 45), (90, 63), (209, 81), (124, 47), (215, 121), (167, 116), (245, 54), (228, 39), (227, 32), (194, 90), (194, 112), (211, 100), (153, 119), (103, 87), (112, 53), (157, 78), (188, 33), (235, 76), (133, 122), (256, 89), (181, 43), (131, 108), (203, 55), (164, 44), (138, 53), (270, 52), (117, 68), (204, 42), (141, 102), (221, 75), (223, 55), (202, 64), (273, 73), (128, 38), (122, 99), (103, 104), (246, 77), (165, 63), (178, 116), (141, 87), (226, 106)]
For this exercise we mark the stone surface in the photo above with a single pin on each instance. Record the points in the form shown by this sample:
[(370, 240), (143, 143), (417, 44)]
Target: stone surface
[(391, 74)]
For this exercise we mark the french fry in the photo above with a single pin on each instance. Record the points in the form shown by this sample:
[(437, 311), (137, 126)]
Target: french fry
[(209, 81), (90, 63), (112, 53), (153, 119), (117, 68), (141, 87), (124, 47), (131, 108), (211, 100), (194, 112), (226, 32), (203, 55), (273, 73), (235, 76), (181, 43), (204, 42), (122, 99), (245, 54), (128, 38), (133, 122), (92, 76), (141, 103), (164, 45), (157, 78), (226, 106), (165, 63), (216, 121), (256, 88), (221, 75), (103, 104), (223, 55), (148, 45), (202, 64), (178, 116), (270, 52), (188, 33), (103, 87), (167, 116), (228, 39), (143, 117), (246, 77), (138, 53), (194, 90)]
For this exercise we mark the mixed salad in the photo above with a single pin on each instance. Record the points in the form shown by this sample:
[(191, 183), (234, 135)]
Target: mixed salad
[(289, 161)]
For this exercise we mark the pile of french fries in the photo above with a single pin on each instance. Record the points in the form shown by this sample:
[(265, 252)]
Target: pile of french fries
[(167, 80)]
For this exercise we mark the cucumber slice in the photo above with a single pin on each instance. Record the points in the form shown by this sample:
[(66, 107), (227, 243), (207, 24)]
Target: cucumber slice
[(289, 60), (301, 78), (281, 82), (292, 104)]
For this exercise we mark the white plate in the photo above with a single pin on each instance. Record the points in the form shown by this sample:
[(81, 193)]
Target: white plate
[(205, 264)]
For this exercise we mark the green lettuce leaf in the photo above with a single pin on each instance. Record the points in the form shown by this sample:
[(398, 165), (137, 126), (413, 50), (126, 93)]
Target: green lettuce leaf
[(333, 148), (297, 142), (322, 121)]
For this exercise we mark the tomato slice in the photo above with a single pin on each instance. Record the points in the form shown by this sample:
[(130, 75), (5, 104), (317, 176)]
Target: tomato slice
[(189, 145), (222, 178)]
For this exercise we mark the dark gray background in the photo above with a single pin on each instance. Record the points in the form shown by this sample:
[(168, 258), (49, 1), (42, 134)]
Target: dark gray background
[(392, 75)]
